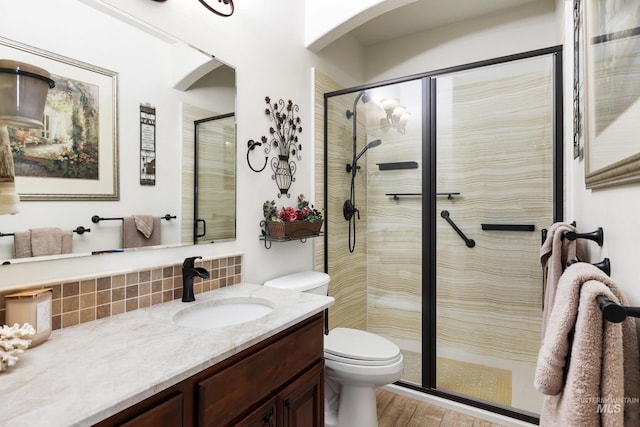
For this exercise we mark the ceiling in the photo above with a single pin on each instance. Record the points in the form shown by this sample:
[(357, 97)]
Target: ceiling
[(423, 15)]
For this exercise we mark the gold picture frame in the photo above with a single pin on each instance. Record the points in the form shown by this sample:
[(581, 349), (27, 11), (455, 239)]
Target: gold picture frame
[(75, 156), (611, 30)]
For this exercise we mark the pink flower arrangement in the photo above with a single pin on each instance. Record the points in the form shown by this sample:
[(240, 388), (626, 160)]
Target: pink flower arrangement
[(303, 212)]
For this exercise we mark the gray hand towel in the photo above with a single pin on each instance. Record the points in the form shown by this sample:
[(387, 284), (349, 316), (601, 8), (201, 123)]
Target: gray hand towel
[(133, 238), (22, 244), (46, 241)]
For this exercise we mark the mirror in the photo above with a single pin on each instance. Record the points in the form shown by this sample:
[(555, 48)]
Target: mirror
[(181, 83)]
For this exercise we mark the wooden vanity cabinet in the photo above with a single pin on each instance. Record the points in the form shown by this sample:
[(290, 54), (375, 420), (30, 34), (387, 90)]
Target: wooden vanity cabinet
[(278, 382)]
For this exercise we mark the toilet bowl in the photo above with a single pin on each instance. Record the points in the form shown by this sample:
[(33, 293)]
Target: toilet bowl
[(356, 362)]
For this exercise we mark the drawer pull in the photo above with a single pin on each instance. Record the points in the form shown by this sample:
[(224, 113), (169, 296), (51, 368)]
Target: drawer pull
[(268, 418)]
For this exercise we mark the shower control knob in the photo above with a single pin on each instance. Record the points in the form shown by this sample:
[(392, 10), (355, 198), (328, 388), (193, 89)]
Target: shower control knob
[(348, 209)]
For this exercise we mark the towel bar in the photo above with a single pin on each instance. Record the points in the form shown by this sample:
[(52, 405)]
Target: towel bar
[(80, 230), (604, 265), (616, 313), (96, 219)]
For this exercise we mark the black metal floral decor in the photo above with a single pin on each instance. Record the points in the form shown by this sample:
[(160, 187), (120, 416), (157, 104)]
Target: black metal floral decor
[(284, 140)]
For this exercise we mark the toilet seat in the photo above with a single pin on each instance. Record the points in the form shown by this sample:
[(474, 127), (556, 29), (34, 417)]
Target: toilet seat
[(358, 347)]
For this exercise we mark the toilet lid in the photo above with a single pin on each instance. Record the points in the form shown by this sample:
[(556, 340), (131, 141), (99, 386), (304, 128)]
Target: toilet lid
[(360, 345)]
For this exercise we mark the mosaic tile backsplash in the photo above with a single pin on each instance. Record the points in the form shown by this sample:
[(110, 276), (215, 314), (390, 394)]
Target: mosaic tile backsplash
[(94, 298)]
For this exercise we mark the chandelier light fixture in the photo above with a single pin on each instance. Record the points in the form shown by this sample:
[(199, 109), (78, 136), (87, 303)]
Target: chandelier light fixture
[(397, 115)]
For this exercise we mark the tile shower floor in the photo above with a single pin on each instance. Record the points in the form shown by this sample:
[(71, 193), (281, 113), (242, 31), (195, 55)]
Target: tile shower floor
[(506, 382)]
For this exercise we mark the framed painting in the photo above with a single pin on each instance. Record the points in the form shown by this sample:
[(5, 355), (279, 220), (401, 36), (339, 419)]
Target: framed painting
[(612, 91), (75, 155)]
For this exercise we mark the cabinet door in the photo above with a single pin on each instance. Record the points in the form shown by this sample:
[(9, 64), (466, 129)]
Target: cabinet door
[(228, 394), (167, 413), (264, 416), (301, 404)]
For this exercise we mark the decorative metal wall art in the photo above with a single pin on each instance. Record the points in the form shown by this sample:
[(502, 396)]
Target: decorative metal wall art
[(283, 139)]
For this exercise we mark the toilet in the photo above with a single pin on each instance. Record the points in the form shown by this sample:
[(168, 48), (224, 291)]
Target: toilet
[(356, 362)]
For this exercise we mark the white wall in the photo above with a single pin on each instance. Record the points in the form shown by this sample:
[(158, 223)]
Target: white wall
[(328, 20), (528, 27)]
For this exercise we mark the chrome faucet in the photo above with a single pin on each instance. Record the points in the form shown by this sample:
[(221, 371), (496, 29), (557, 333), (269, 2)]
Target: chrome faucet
[(189, 271)]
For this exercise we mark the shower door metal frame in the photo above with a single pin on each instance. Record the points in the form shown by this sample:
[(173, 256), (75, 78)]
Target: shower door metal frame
[(429, 217), (196, 170), (429, 206)]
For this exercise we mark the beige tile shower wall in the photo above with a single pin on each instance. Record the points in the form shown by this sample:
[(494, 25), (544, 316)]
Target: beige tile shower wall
[(394, 240), (489, 297), (83, 300), (348, 270)]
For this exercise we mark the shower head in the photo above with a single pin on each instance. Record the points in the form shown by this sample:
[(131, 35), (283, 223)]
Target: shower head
[(365, 98), (372, 144)]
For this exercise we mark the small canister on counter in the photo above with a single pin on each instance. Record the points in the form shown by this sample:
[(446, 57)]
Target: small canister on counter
[(32, 306)]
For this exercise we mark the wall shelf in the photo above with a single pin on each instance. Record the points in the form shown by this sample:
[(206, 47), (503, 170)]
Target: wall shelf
[(271, 239), (397, 165)]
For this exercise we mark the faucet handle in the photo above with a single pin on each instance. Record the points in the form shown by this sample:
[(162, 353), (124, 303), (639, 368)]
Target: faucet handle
[(189, 262)]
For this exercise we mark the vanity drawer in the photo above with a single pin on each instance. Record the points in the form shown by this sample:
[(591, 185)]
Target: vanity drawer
[(256, 376)]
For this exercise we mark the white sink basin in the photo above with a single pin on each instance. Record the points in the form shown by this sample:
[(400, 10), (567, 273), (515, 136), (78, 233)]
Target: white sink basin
[(223, 312)]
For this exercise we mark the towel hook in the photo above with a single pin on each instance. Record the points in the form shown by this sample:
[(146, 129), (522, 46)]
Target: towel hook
[(597, 236)]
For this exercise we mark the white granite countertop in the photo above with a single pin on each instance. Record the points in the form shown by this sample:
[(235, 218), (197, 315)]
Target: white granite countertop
[(86, 373)]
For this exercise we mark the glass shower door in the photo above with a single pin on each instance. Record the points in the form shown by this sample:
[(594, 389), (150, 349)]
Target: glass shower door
[(494, 180), (215, 179)]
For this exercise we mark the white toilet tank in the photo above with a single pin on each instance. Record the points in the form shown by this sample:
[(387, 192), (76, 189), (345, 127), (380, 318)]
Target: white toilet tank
[(313, 282)]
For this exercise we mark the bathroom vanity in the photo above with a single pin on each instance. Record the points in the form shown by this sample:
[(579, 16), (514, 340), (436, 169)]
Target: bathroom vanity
[(141, 369), (278, 382)]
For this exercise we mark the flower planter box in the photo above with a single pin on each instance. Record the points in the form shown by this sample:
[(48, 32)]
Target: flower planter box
[(294, 229)]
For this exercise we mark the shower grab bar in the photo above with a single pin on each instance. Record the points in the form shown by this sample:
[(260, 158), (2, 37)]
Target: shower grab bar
[(469, 242), (508, 227)]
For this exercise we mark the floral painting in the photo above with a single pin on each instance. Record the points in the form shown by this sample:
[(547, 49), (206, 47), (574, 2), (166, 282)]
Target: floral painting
[(67, 146), (75, 155)]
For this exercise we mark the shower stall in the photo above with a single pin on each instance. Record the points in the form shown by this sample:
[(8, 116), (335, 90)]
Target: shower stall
[(436, 189)]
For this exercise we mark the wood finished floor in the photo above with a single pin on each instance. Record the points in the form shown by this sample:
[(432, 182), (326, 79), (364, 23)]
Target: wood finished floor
[(399, 411)]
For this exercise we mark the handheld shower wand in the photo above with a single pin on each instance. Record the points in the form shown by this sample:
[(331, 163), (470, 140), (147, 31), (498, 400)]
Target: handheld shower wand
[(353, 166), (349, 209)]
